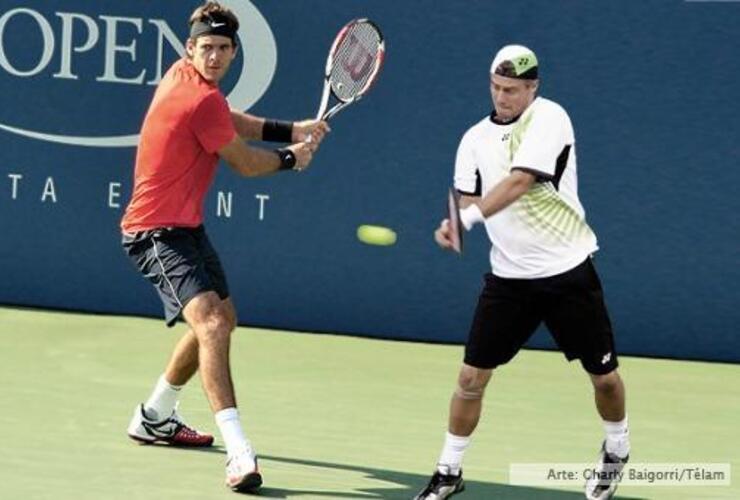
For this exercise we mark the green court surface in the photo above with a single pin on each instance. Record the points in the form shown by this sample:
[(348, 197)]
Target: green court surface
[(331, 416)]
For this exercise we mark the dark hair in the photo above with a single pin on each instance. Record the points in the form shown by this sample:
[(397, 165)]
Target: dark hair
[(212, 11), (507, 69)]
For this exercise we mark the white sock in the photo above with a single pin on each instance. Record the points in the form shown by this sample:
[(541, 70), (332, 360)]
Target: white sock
[(161, 403), (450, 461), (617, 437), (231, 431)]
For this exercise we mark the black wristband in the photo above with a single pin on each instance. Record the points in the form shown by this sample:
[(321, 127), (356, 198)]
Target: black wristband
[(287, 158), (277, 131)]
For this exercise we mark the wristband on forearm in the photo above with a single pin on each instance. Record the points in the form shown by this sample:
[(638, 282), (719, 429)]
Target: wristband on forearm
[(470, 216), (277, 131), (287, 159)]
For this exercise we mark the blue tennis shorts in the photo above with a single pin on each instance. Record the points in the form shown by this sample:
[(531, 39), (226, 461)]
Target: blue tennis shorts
[(180, 262)]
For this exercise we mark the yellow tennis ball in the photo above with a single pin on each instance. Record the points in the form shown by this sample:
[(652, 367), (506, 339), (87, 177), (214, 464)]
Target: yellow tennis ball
[(376, 235)]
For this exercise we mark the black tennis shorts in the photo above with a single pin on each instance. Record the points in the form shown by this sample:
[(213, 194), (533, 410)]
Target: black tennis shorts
[(180, 262), (571, 304)]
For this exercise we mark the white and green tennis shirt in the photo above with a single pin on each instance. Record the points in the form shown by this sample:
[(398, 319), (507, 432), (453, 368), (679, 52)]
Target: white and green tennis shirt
[(544, 232)]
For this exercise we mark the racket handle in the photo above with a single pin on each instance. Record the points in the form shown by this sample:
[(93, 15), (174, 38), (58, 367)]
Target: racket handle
[(321, 116)]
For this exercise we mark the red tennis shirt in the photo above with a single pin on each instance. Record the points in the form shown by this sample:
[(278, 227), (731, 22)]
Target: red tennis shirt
[(187, 123)]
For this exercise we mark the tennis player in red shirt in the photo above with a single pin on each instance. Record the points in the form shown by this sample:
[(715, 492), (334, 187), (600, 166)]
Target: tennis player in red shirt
[(187, 129)]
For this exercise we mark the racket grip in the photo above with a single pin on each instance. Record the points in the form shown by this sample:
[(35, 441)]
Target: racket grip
[(319, 116), (309, 139)]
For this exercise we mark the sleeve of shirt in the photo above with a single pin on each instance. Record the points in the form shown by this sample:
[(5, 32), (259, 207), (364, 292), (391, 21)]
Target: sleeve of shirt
[(211, 122), (466, 171), (544, 139)]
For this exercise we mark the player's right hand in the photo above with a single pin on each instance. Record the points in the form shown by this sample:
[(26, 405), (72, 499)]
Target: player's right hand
[(442, 235), (310, 131), (303, 152)]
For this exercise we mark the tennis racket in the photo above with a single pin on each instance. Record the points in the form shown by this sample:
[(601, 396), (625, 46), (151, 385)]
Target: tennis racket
[(353, 65), (453, 215)]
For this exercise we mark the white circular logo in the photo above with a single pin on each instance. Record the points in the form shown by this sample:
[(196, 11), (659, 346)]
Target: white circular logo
[(260, 61)]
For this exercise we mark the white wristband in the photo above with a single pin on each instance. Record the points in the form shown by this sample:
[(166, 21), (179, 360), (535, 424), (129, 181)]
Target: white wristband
[(470, 216)]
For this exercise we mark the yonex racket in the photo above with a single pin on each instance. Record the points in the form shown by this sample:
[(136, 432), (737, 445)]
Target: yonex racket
[(353, 65), (453, 215)]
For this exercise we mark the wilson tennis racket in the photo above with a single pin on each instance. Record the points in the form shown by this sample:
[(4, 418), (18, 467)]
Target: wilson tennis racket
[(353, 65), (453, 216)]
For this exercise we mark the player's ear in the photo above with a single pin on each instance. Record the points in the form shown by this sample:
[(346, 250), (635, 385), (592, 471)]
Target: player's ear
[(190, 48), (235, 47)]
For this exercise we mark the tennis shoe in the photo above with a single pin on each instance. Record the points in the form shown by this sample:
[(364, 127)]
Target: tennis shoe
[(243, 473), (605, 475), (442, 486), (172, 430)]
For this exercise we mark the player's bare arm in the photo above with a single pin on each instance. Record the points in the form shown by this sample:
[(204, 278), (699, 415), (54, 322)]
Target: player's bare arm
[(466, 200), (475, 209), (249, 127), (506, 192), (501, 196), (251, 161), (255, 128)]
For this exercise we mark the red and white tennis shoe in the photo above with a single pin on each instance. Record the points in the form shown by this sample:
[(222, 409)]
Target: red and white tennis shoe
[(172, 430)]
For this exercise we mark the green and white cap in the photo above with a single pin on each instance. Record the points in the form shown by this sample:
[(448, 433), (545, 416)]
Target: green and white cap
[(515, 61)]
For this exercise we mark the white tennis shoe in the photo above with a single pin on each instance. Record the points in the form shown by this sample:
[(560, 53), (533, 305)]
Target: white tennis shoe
[(606, 475), (243, 473), (172, 430)]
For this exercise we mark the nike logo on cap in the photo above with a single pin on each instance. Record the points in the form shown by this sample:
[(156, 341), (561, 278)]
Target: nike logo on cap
[(217, 25)]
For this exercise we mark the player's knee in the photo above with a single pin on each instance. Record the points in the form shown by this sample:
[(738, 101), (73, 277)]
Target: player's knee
[(469, 391), (229, 311), (214, 324), (471, 383), (607, 384)]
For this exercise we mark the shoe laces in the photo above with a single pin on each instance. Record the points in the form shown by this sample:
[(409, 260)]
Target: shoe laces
[(180, 424), (437, 479), (176, 417), (609, 464), (242, 461), (433, 483), (614, 459)]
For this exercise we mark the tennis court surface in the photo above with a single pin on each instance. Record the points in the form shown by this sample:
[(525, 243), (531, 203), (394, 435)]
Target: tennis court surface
[(330, 416)]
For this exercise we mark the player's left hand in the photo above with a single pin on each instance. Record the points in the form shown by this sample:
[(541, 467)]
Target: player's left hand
[(442, 235), (316, 129)]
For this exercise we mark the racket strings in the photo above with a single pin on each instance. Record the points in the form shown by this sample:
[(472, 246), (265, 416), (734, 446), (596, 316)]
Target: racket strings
[(355, 60)]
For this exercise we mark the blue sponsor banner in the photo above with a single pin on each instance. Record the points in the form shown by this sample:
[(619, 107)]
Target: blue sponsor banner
[(647, 85)]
